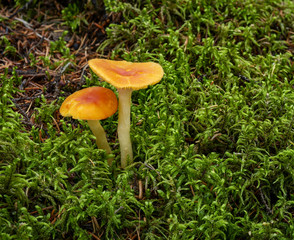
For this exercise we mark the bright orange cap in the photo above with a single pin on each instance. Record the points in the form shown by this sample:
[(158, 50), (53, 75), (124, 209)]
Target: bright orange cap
[(93, 103), (123, 74)]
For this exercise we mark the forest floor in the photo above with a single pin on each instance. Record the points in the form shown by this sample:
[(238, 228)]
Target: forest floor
[(213, 141)]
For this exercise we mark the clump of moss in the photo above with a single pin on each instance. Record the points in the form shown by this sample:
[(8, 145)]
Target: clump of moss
[(213, 143)]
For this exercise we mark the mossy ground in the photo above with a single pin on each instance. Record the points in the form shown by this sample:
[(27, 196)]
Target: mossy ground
[(213, 141)]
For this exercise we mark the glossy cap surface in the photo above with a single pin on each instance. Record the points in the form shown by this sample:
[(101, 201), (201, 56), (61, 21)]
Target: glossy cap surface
[(123, 74), (93, 103)]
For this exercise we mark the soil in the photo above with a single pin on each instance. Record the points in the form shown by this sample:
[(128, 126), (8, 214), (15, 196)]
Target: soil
[(30, 31)]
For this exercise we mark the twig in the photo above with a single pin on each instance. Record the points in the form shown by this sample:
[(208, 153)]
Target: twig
[(27, 121), (63, 69), (83, 71), (29, 26), (152, 168), (29, 98), (117, 210), (31, 73), (140, 189), (94, 236), (43, 209), (20, 9), (270, 211)]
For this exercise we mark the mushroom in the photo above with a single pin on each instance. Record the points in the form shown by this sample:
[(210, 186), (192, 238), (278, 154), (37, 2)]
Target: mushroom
[(92, 104), (126, 77)]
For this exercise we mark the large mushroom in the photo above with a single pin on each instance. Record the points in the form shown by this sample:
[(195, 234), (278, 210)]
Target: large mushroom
[(92, 104), (126, 77)]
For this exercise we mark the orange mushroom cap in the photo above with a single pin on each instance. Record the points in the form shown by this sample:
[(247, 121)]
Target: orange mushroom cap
[(123, 74), (93, 103)]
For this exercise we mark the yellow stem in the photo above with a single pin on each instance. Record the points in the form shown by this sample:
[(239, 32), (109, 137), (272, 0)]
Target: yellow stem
[(123, 129), (101, 139)]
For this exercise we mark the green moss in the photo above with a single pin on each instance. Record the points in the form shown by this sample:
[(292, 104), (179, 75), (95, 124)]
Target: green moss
[(213, 141)]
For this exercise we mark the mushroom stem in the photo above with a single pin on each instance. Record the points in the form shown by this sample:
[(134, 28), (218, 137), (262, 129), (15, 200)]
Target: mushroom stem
[(123, 129), (101, 139)]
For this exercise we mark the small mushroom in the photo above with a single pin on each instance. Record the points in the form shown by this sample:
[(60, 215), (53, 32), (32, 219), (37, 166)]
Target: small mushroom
[(126, 77), (92, 104)]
